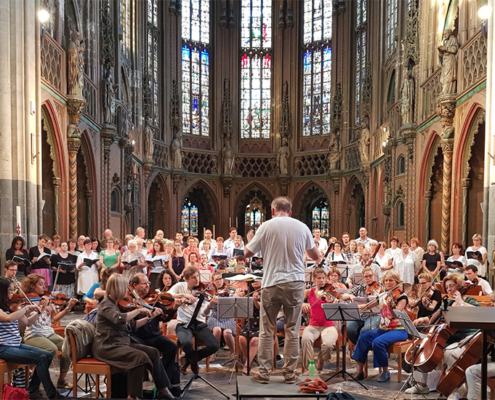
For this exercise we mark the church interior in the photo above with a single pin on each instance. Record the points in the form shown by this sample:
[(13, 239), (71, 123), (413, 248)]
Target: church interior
[(193, 115)]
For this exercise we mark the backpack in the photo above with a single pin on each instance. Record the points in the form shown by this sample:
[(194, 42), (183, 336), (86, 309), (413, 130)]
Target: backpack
[(339, 396), (13, 393)]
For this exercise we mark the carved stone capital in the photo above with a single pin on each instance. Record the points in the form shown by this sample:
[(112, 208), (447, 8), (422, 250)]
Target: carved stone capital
[(176, 180), (386, 209), (75, 107), (446, 109), (284, 185), (73, 144), (447, 146), (227, 182), (56, 182)]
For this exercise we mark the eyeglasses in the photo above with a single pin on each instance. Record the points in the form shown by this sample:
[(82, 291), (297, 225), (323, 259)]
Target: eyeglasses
[(451, 287)]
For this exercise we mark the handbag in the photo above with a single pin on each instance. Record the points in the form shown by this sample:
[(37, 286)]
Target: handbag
[(13, 393)]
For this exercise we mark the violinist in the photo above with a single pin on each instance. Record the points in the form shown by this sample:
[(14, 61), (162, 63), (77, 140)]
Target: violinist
[(11, 348), (334, 276), (151, 335), (389, 331), (188, 327), (318, 325), (428, 300), (453, 286), (225, 327), (41, 334), (370, 321), (10, 269), (112, 343), (358, 268), (98, 291), (471, 272)]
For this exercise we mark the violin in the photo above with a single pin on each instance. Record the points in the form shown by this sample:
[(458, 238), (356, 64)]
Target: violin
[(394, 294), (372, 258), (206, 289), (132, 301), (374, 289), (328, 293), (225, 291), (164, 299)]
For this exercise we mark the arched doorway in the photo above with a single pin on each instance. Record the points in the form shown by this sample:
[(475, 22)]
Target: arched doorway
[(50, 212), (313, 208), (201, 212), (254, 209), (83, 214), (356, 210), (156, 208), (434, 214)]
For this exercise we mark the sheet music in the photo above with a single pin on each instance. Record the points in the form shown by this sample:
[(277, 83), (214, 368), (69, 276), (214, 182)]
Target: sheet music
[(408, 324), (365, 300)]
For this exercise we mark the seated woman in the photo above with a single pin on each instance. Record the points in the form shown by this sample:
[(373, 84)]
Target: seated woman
[(112, 342), (318, 324), (11, 348), (41, 334), (452, 285), (97, 292), (389, 331), (428, 302), (225, 327), (252, 328), (166, 279)]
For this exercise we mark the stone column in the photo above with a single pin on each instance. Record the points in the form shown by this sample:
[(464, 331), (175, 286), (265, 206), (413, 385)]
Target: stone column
[(107, 134), (56, 181), (73, 145), (447, 149), (89, 198), (427, 215)]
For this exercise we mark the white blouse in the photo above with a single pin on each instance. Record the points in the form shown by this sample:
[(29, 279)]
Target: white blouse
[(405, 266)]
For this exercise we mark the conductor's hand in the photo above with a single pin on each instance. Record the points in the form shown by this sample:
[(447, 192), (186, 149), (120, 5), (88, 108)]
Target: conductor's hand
[(306, 308)]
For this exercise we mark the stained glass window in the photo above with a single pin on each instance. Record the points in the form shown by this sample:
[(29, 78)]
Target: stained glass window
[(152, 60), (195, 67), (361, 19), (255, 214), (320, 218), (317, 66), (391, 26), (256, 73), (126, 18), (189, 219)]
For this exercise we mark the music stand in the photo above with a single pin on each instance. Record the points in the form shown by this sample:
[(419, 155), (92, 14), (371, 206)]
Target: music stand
[(308, 277), (204, 276), (342, 312), (236, 307), (413, 331)]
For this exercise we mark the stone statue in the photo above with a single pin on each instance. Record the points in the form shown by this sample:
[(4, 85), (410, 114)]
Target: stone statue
[(283, 157), (76, 65), (364, 143), (149, 146), (108, 97), (228, 158), (407, 95), (334, 151), (176, 153), (448, 52)]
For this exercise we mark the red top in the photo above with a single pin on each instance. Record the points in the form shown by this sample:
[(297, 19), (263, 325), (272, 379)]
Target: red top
[(317, 314)]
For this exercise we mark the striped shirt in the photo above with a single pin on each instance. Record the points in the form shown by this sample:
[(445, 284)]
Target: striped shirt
[(9, 333)]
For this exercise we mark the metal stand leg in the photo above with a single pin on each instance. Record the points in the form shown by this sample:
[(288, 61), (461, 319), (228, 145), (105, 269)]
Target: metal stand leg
[(188, 385)]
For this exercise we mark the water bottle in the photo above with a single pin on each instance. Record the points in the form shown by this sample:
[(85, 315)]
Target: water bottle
[(311, 368)]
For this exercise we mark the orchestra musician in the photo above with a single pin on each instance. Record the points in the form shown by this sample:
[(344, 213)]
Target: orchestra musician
[(370, 321), (189, 327), (358, 268), (10, 269), (453, 285), (428, 299), (112, 343), (41, 334), (151, 335), (13, 350), (471, 272), (318, 324), (389, 331)]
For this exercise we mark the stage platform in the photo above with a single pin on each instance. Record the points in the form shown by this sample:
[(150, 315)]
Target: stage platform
[(246, 387)]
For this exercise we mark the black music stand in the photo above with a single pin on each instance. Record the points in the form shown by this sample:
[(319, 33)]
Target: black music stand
[(342, 312), (412, 331), (237, 307), (197, 376)]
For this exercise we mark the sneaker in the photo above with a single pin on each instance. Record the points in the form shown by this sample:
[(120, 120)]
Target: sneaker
[(417, 389), (291, 378), (260, 379), (359, 376), (385, 377)]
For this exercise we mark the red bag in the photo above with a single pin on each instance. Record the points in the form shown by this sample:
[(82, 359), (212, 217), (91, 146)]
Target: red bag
[(13, 393)]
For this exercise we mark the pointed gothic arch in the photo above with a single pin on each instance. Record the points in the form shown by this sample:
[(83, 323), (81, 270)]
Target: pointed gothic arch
[(355, 206), (310, 197), (87, 200), (205, 200), (158, 206), (245, 199)]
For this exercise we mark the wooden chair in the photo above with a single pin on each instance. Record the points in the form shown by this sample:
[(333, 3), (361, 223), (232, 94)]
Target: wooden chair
[(90, 366), (485, 301), (398, 348), (6, 367), (338, 346)]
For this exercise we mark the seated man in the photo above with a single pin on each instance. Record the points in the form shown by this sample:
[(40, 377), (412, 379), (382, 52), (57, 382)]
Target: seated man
[(471, 272), (188, 327), (151, 335), (358, 268), (318, 324)]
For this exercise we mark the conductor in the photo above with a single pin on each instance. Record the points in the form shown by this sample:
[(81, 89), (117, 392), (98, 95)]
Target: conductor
[(282, 241)]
